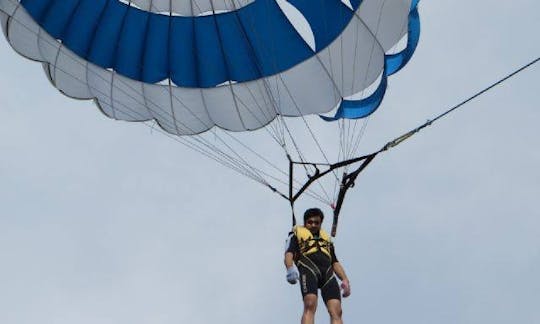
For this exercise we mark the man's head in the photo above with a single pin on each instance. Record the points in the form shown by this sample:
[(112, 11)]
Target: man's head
[(313, 218)]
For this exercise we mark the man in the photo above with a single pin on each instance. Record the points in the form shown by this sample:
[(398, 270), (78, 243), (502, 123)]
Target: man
[(310, 258)]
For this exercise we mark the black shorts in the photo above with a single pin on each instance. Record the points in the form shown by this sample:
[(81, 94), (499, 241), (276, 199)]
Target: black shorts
[(313, 278)]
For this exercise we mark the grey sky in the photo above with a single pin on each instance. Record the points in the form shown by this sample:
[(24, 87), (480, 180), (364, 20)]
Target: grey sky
[(107, 222)]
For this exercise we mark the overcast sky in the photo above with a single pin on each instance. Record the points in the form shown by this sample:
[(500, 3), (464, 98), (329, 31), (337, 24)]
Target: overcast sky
[(108, 222)]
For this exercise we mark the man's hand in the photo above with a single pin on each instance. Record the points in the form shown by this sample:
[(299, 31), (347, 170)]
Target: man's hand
[(292, 275), (346, 287)]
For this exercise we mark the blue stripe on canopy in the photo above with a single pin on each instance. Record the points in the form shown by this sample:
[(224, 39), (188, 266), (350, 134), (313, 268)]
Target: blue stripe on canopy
[(356, 109), (252, 42), (316, 13)]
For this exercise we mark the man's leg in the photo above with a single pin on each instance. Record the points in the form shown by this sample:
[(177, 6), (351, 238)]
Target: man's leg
[(331, 295), (308, 287), (334, 309), (310, 306)]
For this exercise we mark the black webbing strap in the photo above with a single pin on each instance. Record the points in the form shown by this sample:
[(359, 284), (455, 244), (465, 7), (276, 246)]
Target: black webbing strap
[(348, 182)]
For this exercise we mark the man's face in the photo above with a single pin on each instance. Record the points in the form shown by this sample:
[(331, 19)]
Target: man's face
[(313, 224)]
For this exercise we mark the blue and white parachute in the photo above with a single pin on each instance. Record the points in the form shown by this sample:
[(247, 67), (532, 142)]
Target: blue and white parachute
[(240, 65)]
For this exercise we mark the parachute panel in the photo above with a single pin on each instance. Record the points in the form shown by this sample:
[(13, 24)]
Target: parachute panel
[(22, 33), (69, 74), (387, 20)]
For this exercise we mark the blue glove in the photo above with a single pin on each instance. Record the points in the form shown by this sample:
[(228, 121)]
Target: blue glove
[(292, 275)]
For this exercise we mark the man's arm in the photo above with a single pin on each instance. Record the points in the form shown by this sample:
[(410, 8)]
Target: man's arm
[(292, 271), (291, 247), (340, 272), (289, 259)]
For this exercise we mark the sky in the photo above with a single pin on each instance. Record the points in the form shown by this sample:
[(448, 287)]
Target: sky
[(110, 222)]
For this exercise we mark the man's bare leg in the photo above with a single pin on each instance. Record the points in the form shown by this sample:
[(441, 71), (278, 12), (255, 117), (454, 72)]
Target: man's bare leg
[(334, 309), (310, 306)]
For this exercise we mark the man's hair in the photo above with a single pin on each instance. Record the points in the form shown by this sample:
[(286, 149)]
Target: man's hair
[(313, 212)]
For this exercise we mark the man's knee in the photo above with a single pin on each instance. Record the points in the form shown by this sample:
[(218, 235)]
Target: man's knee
[(335, 313), (310, 303), (334, 309)]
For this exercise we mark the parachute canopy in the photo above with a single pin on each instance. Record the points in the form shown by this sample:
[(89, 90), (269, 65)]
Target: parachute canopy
[(240, 65)]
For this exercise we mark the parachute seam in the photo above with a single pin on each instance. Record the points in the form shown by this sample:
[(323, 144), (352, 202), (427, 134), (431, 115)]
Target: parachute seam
[(92, 40), (115, 57), (226, 64), (169, 85), (143, 59), (197, 73)]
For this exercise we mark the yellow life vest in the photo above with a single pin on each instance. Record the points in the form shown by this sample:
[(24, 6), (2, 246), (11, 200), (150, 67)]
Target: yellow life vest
[(309, 244)]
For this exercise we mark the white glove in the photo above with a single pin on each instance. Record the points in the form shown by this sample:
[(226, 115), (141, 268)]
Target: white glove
[(292, 275)]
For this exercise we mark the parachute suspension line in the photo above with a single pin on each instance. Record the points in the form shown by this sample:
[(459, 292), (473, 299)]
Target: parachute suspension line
[(220, 155), (274, 132), (306, 124), (347, 155), (293, 141), (352, 144), (212, 154), (280, 126), (209, 154), (225, 159), (341, 152), (360, 136), (215, 153), (240, 162), (313, 194), (348, 134), (256, 171)]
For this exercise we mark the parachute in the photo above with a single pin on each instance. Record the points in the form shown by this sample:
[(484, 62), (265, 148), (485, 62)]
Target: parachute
[(219, 75)]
